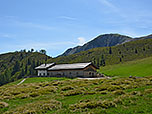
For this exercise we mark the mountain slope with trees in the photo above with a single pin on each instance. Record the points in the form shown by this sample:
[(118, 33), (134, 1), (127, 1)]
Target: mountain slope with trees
[(105, 40), (16, 65), (102, 56)]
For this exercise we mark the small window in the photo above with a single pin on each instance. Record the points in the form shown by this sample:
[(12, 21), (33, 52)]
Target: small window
[(92, 74), (89, 73), (70, 73), (43, 74), (39, 74), (48, 74)]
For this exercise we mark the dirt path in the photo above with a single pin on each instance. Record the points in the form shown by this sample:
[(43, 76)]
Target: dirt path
[(95, 78), (22, 81)]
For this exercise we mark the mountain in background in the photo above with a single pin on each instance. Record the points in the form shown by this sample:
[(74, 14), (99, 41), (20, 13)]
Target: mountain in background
[(103, 56), (106, 40)]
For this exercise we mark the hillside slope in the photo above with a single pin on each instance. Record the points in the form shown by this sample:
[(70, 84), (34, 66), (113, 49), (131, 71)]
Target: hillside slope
[(101, 96), (105, 40), (19, 64), (141, 67), (111, 55)]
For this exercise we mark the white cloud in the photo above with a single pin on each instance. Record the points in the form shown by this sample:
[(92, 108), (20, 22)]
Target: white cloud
[(33, 25), (67, 18), (109, 4), (113, 8), (82, 41), (2, 35)]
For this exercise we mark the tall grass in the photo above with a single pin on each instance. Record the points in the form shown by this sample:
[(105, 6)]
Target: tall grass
[(108, 96)]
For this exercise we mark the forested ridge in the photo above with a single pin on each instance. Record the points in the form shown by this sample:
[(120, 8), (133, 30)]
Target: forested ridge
[(16, 65), (111, 55), (104, 40)]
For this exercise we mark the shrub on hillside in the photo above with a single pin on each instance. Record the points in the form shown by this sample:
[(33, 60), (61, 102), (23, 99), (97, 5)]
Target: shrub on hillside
[(47, 90), (39, 107), (113, 87), (72, 92), (3, 105), (21, 96), (57, 83), (101, 88), (149, 91), (15, 92), (103, 92), (44, 84), (68, 87), (118, 92), (34, 94), (92, 104)]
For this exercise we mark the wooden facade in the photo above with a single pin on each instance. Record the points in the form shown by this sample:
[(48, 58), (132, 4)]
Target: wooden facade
[(68, 70)]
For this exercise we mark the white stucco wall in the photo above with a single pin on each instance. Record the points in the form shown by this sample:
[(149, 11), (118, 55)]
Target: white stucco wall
[(42, 72)]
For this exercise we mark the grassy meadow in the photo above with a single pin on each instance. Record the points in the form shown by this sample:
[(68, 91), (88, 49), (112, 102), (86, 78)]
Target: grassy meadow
[(140, 68), (38, 80), (76, 96), (52, 95)]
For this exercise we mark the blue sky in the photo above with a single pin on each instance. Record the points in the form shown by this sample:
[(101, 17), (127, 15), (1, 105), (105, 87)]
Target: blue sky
[(56, 25)]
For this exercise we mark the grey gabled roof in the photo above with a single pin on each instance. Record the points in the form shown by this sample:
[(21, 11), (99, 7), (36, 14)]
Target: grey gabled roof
[(69, 66), (44, 66)]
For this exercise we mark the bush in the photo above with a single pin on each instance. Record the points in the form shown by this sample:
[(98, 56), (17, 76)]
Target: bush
[(40, 107), (113, 88), (3, 104), (14, 92), (103, 92), (118, 92), (44, 84), (72, 92), (148, 91), (83, 105), (47, 90), (22, 96), (34, 94), (102, 88), (108, 104), (92, 104), (133, 93), (118, 100), (90, 92), (57, 83), (65, 88)]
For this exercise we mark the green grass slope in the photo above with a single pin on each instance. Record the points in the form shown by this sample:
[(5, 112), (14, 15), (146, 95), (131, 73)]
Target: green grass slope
[(75, 96), (38, 80), (142, 67)]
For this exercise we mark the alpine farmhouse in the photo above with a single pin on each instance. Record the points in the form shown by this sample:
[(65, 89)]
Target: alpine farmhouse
[(67, 70)]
